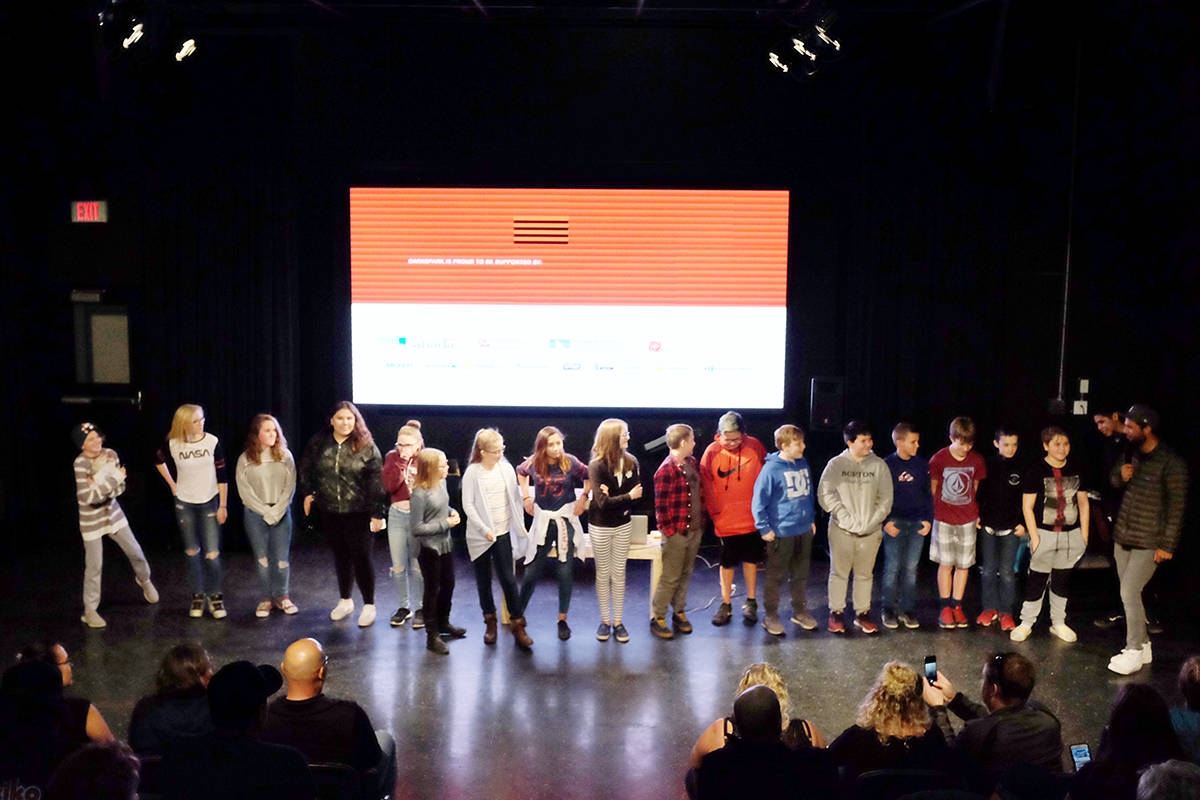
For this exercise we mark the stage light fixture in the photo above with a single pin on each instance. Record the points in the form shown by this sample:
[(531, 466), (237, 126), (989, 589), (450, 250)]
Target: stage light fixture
[(134, 36), (778, 64), (185, 49)]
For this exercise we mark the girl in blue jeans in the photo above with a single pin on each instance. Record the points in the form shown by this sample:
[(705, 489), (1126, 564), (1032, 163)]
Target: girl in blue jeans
[(201, 491), (266, 481), (399, 471)]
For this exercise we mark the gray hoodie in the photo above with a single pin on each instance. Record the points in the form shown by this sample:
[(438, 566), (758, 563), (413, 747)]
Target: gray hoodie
[(857, 494)]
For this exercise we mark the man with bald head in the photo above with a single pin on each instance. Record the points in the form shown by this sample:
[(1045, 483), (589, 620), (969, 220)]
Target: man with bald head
[(325, 729)]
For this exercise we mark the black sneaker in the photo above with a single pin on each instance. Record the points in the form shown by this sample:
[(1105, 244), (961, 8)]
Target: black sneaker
[(603, 632), (909, 621), (400, 616), (197, 609), (1154, 625), (723, 615), (889, 619), (436, 645), (750, 612), (418, 619), (216, 606), (564, 630), (1108, 620), (659, 628), (620, 634), (680, 621)]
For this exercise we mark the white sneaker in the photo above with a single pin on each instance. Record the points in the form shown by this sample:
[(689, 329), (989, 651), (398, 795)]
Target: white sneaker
[(148, 591), (1063, 632), (263, 609), (1021, 632), (342, 609), (1126, 662), (367, 616), (1147, 657), (92, 619)]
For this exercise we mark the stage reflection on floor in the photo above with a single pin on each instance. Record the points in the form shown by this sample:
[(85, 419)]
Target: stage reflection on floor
[(574, 719)]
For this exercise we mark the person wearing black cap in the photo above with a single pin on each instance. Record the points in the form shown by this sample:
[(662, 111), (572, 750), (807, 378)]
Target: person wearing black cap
[(99, 480), (1148, 525), (230, 762)]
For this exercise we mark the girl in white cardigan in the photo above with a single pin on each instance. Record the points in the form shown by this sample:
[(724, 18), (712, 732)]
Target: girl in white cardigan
[(492, 502)]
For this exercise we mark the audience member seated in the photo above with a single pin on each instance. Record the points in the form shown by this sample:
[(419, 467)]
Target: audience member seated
[(755, 760), (38, 729), (893, 729), (1186, 718), (179, 705), (324, 729), (1138, 734), (1008, 728), (53, 653), (797, 733), (229, 762), (1170, 780), (1028, 782), (96, 771)]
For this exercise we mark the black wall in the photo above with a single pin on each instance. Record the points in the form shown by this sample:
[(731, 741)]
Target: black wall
[(929, 170)]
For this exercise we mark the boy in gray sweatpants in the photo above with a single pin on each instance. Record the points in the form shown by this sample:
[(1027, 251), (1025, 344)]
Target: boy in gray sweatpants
[(856, 490)]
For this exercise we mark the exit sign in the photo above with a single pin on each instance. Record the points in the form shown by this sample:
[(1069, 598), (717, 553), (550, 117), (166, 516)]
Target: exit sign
[(89, 211)]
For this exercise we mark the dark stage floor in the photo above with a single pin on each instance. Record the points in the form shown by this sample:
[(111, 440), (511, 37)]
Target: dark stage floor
[(576, 719)]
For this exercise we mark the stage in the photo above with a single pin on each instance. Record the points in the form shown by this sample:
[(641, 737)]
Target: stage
[(575, 719)]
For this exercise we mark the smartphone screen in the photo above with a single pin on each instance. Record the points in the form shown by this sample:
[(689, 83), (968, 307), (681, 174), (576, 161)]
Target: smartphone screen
[(931, 668), (1080, 754)]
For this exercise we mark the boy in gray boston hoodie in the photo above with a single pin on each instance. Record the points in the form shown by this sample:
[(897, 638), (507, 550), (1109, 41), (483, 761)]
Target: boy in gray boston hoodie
[(856, 490)]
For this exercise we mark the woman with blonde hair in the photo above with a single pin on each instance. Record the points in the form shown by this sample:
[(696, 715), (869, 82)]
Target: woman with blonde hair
[(492, 502), (616, 486), (893, 729), (797, 733), (266, 481), (432, 519), (340, 475), (555, 476), (201, 490)]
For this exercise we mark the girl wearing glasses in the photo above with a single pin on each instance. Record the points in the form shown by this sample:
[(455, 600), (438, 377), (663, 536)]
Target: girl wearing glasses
[(399, 471), (492, 502)]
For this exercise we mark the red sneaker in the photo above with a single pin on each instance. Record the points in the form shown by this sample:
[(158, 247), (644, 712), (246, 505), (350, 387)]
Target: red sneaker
[(986, 618), (1007, 623), (835, 622), (960, 619), (864, 624), (946, 618)]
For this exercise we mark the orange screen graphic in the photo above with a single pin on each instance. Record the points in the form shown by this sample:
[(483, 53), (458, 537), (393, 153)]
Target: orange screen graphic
[(569, 246)]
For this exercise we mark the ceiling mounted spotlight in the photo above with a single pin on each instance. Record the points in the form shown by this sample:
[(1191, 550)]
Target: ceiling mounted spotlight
[(185, 49), (807, 49), (778, 64), (134, 36)]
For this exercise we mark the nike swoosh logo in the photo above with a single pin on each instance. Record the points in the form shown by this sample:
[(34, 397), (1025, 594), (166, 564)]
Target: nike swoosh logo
[(725, 473)]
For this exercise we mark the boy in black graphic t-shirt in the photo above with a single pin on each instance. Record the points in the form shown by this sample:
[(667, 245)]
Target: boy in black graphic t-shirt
[(1055, 507)]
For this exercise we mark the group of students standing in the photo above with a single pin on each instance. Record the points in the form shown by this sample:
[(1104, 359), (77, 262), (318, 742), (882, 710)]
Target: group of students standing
[(762, 507)]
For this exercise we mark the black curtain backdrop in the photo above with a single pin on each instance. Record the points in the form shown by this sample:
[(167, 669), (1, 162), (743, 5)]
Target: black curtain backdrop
[(929, 173)]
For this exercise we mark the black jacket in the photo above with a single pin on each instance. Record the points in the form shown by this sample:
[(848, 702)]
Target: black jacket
[(343, 481)]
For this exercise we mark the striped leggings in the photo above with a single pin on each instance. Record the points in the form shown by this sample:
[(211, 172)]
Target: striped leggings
[(611, 548)]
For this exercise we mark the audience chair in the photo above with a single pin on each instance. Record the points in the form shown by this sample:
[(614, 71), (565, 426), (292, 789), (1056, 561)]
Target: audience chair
[(150, 777), (335, 781), (892, 784)]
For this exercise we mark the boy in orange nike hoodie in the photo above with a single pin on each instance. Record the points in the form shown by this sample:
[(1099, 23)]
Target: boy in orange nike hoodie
[(728, 469)]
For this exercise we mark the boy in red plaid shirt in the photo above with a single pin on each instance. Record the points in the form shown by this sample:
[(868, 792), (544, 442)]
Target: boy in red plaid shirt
[(679, 510)]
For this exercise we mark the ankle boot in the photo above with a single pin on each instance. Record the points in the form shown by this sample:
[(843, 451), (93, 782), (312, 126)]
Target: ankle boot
[(489, 631), (517, 625), (434, 644)]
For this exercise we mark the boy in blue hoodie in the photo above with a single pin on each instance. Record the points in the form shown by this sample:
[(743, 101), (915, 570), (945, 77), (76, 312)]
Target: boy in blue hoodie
[(783, 513)]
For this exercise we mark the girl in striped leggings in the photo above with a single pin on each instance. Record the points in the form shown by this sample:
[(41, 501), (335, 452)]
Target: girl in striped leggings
[(613, 474)]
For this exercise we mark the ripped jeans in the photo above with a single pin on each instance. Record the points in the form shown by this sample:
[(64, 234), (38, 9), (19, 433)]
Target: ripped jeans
[(201, 543), (405, 549), (270, 544)]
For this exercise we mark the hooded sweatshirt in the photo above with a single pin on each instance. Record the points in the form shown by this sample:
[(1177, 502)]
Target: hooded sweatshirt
[(857, 494), (783, 497), (729, 484)]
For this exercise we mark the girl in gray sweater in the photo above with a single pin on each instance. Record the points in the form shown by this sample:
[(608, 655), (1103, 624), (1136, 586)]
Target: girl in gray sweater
[(432, 518)]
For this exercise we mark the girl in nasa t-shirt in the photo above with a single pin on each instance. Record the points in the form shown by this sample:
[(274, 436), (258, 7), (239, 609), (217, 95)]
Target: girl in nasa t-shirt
[(201, 490)]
